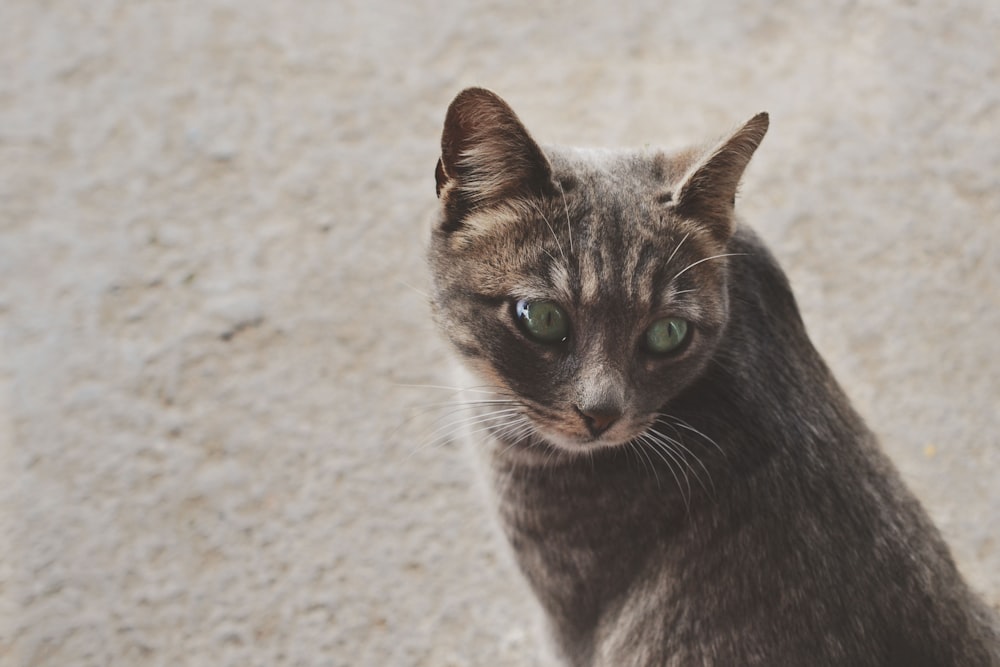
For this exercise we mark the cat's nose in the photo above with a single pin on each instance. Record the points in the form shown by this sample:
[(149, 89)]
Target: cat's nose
[(598, 420)]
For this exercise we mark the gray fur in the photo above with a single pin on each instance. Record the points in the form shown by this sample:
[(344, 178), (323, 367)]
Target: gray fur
[(738, 512)]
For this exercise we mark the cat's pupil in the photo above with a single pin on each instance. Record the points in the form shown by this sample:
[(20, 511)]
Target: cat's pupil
[(543, 321)]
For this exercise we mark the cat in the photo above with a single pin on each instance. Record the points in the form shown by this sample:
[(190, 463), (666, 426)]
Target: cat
[(681, 479)]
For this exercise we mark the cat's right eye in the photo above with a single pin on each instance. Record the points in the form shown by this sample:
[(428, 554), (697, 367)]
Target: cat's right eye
[(543, 321)]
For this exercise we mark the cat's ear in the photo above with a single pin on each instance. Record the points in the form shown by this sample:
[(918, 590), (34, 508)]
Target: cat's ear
[(487, 156), (708, 190)]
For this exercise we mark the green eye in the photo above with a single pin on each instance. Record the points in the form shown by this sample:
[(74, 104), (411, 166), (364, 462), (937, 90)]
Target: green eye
[(666, 335), (543, 320)]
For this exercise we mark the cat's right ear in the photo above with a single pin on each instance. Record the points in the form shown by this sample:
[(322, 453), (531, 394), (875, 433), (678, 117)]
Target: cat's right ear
[(487, 157), (708, 191)]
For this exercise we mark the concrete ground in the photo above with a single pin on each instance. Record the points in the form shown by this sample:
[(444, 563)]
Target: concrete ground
[(212, 221)]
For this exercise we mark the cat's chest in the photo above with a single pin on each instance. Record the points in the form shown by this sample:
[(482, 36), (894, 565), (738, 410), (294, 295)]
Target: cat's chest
[(580, 536)]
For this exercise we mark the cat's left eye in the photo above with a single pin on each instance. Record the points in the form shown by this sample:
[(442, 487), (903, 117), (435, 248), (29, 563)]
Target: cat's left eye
[(666, 335)]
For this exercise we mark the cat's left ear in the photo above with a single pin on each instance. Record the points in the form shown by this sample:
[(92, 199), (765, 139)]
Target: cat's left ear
[(708, 191)]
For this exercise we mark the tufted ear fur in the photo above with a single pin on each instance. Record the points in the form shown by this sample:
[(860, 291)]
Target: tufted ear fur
[(487, 156), (708, 190)]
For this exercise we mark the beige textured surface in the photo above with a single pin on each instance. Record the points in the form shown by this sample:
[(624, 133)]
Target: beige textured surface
[(211, 214)]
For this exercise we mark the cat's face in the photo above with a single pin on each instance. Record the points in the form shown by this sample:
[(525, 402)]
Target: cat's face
[(586, 288)]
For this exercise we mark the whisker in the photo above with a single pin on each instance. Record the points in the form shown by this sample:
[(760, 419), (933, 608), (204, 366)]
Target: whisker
[(667, 263), (515, 425), (423, 408), (683, 424), (551, 256), (644, 437), (463, 428), (515, 428), (464, 404), (418, 291), (521, 430), (478, 390), (569, 224), (678, 443), (694, 264), (661, 445), (453, 408), (549, 456), (548, 224), (446, 431), (481, 418), (634, 446)]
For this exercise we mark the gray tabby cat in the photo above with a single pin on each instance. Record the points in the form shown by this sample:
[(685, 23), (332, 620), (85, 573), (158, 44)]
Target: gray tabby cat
[(681, 479)]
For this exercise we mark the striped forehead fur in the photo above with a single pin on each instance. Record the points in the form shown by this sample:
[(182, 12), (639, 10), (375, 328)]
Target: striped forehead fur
[(598, 237)]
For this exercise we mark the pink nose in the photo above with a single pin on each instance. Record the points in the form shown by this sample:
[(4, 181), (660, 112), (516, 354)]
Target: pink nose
[(598, 420)]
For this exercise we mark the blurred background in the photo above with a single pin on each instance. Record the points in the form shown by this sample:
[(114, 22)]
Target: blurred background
[(212, 224)]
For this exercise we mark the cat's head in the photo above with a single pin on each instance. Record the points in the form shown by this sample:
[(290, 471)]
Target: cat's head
[(588, 288)]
